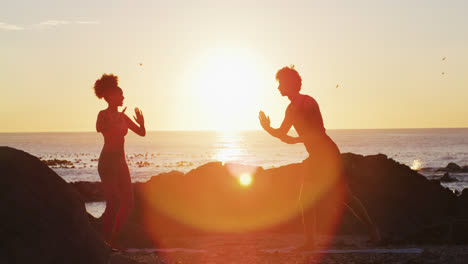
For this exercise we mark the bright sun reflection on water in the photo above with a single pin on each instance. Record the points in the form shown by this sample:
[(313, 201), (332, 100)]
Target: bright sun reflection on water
[(245, 179), (229, 147)]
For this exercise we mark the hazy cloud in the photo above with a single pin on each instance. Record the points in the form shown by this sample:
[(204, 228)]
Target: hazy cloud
[(53, 23), (6, 26), (90, 22), (47, 24)]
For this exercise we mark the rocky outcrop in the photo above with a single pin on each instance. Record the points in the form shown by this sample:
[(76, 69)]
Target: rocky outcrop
[(44, 219), (453, 167), (89, 191), (447, 178), (209, 199), (402, 201)]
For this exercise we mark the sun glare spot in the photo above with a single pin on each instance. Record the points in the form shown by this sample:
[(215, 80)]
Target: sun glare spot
[(416, 165), (245, 179), (228, 85)]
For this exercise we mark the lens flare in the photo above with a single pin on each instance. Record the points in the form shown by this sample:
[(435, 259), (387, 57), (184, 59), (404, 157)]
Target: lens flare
[(233, 198), (245, 179)]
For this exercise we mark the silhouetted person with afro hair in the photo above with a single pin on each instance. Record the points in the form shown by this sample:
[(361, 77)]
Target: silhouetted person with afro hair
[(112, 166)]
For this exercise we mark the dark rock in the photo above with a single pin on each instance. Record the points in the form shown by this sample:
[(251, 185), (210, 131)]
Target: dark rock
[(406, 206), (459, 229), (453, 167), (435, 181), (44, 219), (462, 204), (89, 191), (464, 168), (399, 199), (56, 163), (448, 178)]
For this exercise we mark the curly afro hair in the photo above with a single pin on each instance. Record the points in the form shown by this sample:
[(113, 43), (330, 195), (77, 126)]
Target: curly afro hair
[(290, 76), (106, 84)]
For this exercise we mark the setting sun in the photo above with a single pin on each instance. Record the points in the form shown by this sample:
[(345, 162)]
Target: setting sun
[(245, 179), (228, 86)]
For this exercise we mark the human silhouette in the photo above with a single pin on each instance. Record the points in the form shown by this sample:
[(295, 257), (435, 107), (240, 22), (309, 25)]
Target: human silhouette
[(112, 166), (324, 163)]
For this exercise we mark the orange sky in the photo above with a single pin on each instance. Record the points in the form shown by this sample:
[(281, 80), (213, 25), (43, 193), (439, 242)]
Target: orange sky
[(211, 65)]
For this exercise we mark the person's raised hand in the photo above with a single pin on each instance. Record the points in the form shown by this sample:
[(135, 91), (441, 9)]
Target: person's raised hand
[(264, 120), (139, 117)]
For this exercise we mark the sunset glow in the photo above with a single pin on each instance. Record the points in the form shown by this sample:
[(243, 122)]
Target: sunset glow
[(234, 131), (229, 147), (198, 66), (227, 85), (245, 179)]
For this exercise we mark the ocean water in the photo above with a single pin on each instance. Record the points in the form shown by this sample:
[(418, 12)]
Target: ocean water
[(163, 151)]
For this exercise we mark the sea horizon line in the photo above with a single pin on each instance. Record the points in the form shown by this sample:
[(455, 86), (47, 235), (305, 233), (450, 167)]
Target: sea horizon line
[(244, 130)]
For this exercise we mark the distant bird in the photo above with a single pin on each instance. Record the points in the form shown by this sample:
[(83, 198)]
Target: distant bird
[(443, 58)]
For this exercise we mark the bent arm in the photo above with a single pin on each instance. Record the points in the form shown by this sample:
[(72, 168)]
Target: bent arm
[(283, 130), (139, 130), (291, 140), (280, 132)]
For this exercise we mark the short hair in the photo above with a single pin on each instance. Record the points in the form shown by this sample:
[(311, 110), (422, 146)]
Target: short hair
[(106, 84), (289, 75)]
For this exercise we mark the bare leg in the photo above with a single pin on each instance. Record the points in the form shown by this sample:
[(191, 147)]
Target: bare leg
[(126, 199), (109, 186), (310, 227), (357, 208), (108, 217), (309, 223)]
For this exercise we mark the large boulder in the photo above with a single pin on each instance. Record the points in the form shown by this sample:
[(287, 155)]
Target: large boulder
[(89, 191), (209, 199), (401, 201), (44, 219), (451, 167)]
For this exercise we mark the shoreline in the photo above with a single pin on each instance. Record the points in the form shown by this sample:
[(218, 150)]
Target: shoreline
[(91, 190)]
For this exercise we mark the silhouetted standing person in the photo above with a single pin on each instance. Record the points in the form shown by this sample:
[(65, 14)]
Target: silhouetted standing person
[(112, 167), (324, 164)]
